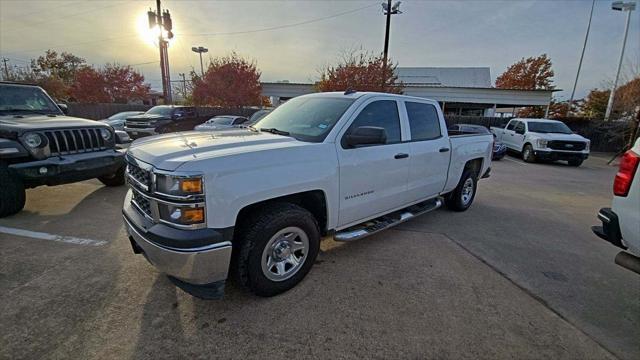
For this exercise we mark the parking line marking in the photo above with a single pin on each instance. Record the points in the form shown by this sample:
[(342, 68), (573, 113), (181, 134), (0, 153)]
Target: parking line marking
[(515, 161), (51, 237)]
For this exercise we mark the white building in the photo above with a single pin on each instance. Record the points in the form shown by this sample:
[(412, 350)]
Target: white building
[(460, 90)]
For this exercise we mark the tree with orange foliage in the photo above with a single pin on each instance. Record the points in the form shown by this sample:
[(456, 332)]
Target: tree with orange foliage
[(113, 84), (229, 81), (89, 86), (533, 73), (360, 72)]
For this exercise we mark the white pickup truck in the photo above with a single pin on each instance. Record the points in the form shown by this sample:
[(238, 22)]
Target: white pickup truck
[(621, 222), (543, 139), (255, 203)]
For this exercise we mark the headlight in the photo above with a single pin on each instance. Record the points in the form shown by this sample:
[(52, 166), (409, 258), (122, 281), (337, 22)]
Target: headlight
[(542, 143), (181, 215), (179, 185), (32, 140), (106, 134), (588, 145)]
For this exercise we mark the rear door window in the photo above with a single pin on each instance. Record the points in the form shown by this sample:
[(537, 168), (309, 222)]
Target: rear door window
[(423, 121)]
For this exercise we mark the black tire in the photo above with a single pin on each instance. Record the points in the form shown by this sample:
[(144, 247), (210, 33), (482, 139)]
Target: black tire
[(12, 196), (254, 235), (115, 179), (455, 200), (528, 155), (575, 163)]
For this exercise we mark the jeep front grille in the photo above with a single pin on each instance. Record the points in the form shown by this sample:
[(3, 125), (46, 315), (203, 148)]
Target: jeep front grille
[(73, 141)]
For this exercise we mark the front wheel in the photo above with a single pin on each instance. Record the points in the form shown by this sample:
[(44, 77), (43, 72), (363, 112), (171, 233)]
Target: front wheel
[(278, 246), (576, 162), (461, 198), (528, 155), (12, 196), (115, 179)]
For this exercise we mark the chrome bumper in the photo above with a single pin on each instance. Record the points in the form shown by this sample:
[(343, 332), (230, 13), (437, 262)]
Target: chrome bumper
[(198, 266)]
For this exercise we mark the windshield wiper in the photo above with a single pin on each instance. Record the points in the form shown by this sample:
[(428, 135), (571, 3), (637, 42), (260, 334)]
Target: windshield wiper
[(275, 131)]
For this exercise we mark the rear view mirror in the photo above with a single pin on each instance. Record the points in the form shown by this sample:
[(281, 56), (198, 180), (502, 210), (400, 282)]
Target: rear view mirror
[(366, 135)]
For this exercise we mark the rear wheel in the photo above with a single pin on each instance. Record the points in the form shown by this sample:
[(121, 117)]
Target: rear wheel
[(576, 162), (115, 179), (278, 245), (527, 154), (12, 196), (461, 198)]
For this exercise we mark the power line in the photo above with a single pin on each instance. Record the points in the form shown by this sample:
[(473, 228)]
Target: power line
[(282, 26)]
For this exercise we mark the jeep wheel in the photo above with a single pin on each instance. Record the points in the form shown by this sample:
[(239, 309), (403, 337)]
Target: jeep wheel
[(461, 198), (12, 196), (278, 246), (528, 155), (115, 179)]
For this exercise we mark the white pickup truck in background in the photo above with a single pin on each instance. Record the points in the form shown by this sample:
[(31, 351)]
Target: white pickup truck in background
[(256, 203), (543, 139)]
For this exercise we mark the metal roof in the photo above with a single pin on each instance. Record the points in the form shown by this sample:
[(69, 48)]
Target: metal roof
[(466, 77)]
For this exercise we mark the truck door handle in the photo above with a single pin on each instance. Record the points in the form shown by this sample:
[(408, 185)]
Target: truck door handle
[(401, 156), (444, 149)]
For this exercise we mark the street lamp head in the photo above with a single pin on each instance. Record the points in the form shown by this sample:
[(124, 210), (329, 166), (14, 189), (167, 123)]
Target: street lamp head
[(199, 49), (194, 49), (395, 8), (623, 6)]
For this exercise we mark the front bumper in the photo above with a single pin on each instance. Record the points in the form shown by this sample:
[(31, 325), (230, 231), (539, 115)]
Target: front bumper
[(559, 155), (136, 133), (610, 229), (69, 168), (205, 262)]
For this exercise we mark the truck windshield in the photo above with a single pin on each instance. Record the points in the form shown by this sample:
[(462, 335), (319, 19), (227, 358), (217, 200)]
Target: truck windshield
[(160, 110), (18, 99), (306, 118), (549, 127)]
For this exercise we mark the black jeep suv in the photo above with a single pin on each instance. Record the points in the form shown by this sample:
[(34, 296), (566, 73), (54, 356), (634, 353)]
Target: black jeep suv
[(162, 119), (39, 145)]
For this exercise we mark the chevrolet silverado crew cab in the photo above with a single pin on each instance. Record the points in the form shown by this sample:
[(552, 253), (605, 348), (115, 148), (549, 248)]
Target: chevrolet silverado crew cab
[(621, 222), (39, 145), (255, 203), (162, 119), (543, 139)]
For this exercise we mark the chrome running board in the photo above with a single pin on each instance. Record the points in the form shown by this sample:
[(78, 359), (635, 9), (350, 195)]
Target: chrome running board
[(386, 221)]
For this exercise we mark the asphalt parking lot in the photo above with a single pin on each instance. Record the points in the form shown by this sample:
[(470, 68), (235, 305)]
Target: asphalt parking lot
[(519, 275)]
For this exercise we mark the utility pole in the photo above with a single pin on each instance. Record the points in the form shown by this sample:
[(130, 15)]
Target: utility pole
[(164, 23), (388, 10), (6, 69), (584, 46), (628, 7)]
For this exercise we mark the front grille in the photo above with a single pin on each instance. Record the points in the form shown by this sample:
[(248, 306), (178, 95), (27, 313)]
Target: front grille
[(141, 175), (567, 145), (141, 203), (137, 124), (73, 141)]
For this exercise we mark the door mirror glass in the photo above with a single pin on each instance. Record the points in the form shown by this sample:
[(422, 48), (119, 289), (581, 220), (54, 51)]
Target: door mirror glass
[(367, 135)]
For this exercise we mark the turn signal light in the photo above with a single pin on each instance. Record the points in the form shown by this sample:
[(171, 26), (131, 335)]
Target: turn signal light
[(191, 216), (191, 185)]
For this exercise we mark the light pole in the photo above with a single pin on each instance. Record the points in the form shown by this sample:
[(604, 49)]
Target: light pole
[(584, 46), (200, 50), (628, 7)]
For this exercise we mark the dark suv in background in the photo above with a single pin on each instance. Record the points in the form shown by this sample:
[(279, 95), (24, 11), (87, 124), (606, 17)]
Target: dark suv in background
[(162, 119), (40, 145)]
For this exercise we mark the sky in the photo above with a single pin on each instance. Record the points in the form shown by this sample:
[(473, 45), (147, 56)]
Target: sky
[(293, 40)]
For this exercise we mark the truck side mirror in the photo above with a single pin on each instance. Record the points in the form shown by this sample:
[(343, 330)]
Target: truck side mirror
[(520, 131), (366, 135), (64, 108)]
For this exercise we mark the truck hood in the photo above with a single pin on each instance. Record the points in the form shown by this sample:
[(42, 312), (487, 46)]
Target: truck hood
[(18, 125), (561, 137), (170, 151)]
